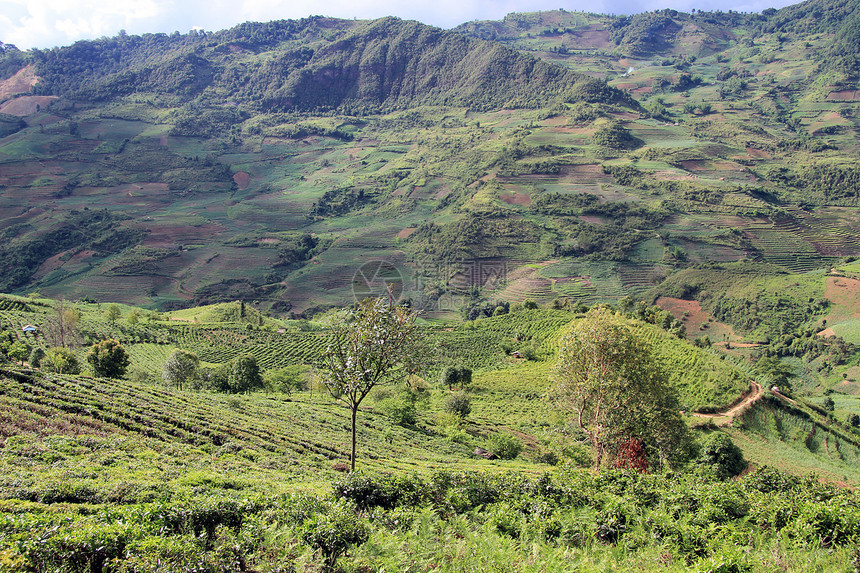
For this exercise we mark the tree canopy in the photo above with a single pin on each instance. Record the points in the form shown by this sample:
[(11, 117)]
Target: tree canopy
[(108, 359), (375, 345), (606, 380)]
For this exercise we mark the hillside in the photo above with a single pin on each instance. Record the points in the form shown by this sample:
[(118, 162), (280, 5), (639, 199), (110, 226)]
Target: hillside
[(99, 474), (269, 162)]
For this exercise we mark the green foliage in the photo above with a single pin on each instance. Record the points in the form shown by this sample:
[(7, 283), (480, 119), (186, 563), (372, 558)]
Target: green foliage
[(456, 376), (108, 359), (244, 375), (180, 369), (606, 381), (286, 380), (18, 351), (113, 312), (615, 136), (36, 357), (375, 345), (720, 457), (62, 361), (459, 404), (333, 533), (504, 445), (400, 406)]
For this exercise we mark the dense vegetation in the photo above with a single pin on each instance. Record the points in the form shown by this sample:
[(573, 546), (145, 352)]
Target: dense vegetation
[(206, 474)]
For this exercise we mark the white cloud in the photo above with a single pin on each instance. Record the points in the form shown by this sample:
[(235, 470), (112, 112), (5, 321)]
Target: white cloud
[(46, 23)]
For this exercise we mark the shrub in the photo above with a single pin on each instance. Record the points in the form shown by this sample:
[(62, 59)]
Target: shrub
[(505, 446), (61, 361), (459, 404), (108, 359), (720, 457), (36, 357), (334, 532)]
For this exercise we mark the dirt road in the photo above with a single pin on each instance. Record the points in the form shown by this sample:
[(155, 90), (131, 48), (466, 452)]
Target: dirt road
[(728, 415)]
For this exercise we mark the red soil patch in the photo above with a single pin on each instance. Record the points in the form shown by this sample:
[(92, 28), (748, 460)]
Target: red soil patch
[(404, 234), (21, 82), (26, 105), (588, 169), (693, 165), (516, 198), (557, 121), (844, 95), (758, 153), (592, 39), (694, 318), (593, 219), (643, 90), (827, 333), (242, 179), (844, 292), (54, 263)]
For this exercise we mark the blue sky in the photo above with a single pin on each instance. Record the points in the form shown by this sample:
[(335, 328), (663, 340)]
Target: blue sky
[(48, 23)]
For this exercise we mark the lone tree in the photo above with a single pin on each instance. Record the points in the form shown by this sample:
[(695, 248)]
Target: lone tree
[(606, 380), (180, 368), (61, 360), (374, 345), (112, 313), (108, 359), (456, 375), (244, 375)]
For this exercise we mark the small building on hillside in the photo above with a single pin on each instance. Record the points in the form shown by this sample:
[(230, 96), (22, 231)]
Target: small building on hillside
[(29, 328)]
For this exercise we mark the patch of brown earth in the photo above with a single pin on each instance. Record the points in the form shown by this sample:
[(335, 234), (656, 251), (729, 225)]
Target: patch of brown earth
[(592, 39), (404, 234), (516, 198), (593, 219), (26, 105), (844, 292), (672, 176), (242, 179), (758, 153), (693, 165), (844, 95), (19, 83)]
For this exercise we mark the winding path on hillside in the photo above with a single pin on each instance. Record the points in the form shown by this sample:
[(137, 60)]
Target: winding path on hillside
[(728, 415)]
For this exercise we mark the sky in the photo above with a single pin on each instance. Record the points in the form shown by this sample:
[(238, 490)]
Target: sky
[(48, 23)]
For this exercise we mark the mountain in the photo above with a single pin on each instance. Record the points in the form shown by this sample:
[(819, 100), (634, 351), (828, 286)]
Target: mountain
[(301, 164)]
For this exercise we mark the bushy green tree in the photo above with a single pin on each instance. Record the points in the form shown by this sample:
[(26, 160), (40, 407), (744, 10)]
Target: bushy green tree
[(244, 375), (18, 351), (36, 356), (607, 382), (286, 380), (374, 345), (459, 404), (62, 361), (456, 376), (505, 446), (180, 369), (108, 359), (720, 457), (112, 313)]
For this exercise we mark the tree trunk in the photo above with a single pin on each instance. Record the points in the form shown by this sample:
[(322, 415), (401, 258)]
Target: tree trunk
[(352, 455)]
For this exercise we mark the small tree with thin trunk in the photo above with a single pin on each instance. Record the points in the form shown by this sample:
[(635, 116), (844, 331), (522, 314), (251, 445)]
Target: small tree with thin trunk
[(112, 313), (375, 345)]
